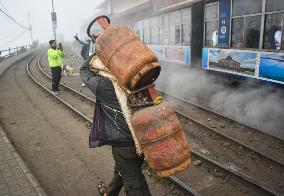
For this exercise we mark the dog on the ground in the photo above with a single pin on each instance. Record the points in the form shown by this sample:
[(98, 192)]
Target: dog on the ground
[(67, 69)]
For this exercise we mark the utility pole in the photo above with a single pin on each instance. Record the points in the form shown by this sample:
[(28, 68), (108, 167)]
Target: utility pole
[(30, 27), (54, 20)]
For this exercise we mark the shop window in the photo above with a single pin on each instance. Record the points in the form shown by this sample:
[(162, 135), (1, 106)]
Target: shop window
[(274, 25), (273, 31), (246, 7), (147, 33), (177, 34), (246, 23), (252, 31), (274, 5), (138, 30), (246, 32), (175, 22), (211, 25), (185, 35), (185, 27), (164, 29), (237, 33), (211, 37), (211, 11), (155, 30)]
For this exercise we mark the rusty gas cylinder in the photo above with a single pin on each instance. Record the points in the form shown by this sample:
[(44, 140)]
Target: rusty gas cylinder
[(162, 139), (126, 56)]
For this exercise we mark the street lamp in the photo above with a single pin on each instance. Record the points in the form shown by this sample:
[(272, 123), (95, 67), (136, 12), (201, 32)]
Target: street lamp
[(54, 20)]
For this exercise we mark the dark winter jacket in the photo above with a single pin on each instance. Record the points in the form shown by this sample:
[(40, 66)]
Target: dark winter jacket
[(109, 126)]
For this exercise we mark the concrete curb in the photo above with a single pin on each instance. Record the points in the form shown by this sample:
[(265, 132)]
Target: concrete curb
[(34, 182)]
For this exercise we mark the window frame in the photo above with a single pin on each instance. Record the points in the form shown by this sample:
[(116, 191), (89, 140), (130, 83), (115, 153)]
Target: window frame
[(210, 20), (263, 15), (166, 25), (158, 30), (172, 26), (263, 28), (148, 39), (261, 33), (189, 9), (161, 27)]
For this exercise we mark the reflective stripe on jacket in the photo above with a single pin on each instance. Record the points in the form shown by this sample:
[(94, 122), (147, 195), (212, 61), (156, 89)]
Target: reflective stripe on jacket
[(54, 57)]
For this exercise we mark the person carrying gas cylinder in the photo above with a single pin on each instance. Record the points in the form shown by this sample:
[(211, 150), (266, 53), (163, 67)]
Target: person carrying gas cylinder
[(55, 54), (110, 128), (129, 115)]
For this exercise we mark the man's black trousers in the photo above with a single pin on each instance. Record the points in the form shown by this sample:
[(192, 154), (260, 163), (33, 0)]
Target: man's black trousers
[(56, 76), (128, 173)]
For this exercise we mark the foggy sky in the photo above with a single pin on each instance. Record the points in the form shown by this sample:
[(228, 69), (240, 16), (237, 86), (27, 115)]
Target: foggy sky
[(70, 16)]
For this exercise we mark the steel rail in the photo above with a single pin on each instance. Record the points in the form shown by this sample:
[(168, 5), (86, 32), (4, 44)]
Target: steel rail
[(279, 162), (174, 179), (244, 177), (57, 97)]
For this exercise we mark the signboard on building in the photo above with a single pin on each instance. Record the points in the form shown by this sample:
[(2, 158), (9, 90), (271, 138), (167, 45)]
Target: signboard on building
[(54, 20), (224, 23)]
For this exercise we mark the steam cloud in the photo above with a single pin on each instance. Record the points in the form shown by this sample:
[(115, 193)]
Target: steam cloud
[(258, 106)]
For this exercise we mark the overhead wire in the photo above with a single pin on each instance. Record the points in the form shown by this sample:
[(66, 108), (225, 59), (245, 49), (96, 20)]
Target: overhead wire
[(14, 20), (17, 36), (4, 7)]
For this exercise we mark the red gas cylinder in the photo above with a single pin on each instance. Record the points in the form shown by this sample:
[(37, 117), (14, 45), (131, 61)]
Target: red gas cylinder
[(125, 55), (162, 139)]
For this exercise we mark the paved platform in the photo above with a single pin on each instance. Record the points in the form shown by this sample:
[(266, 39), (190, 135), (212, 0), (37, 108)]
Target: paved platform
[(15, 177)]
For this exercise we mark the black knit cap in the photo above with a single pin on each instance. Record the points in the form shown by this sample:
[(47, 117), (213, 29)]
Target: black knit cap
[(51, 41)]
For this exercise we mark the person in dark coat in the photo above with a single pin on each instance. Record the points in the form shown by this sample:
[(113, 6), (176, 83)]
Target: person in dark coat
[(85, 47), (110, 128), (85, 50)]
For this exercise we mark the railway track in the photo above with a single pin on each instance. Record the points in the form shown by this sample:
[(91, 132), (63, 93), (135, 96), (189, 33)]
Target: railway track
[(245, 159), (212, 171), (261, 143)]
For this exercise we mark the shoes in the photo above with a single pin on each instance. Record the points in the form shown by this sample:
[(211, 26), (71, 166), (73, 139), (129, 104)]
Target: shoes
[(83, 85), (102, 189), (55, 92)]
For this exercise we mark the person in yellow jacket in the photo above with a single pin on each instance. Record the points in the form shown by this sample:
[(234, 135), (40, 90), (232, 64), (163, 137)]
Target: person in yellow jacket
[(55, 54)]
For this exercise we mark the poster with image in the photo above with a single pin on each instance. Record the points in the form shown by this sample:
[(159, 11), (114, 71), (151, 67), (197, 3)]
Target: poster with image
[(242, 62), (272, 66)]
